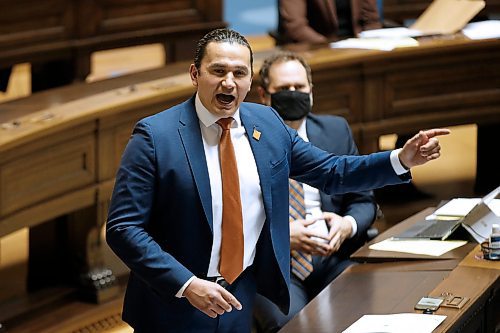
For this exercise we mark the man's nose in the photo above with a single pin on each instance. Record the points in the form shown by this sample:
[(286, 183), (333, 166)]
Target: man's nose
[(228, 81)]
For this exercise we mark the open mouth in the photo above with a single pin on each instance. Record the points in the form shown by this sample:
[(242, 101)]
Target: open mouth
[(225, 99)]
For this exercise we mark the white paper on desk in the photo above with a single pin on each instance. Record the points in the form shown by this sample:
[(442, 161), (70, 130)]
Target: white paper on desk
[(495, 206), (382, 44), (417, 246), (458, 207), (398, 32), (482, 30), (396, 323)]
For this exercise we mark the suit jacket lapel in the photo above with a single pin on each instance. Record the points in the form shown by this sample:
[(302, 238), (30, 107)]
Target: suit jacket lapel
[(316, 137), (189, 130), (313, 132), (260, 154)]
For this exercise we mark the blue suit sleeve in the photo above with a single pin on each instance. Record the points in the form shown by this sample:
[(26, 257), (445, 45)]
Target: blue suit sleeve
[(128, 230)]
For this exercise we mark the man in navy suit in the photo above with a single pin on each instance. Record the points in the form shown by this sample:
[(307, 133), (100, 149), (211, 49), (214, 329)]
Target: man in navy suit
[(286, 85), (165, 216)]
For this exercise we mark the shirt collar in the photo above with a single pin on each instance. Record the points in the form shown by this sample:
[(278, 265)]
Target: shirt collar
[(302, 131), (208, 119)]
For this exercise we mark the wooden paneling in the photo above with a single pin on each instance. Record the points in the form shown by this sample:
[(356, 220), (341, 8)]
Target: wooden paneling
[(30, 21), (347, 97), (52, 171), (37, 31), (119, 16), (442, 83)]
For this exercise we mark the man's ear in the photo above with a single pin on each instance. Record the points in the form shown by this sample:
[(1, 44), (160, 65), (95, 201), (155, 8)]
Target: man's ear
[(264, 97), (193, 73)]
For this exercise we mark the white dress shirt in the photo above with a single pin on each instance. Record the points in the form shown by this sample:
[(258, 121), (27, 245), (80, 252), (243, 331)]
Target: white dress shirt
[(250, 191)]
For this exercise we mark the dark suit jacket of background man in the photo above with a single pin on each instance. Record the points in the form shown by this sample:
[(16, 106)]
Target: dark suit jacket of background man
[(160, 216), (307, 20)]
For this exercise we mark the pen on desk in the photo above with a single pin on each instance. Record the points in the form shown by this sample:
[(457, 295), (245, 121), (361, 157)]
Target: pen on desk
[(409, 239)]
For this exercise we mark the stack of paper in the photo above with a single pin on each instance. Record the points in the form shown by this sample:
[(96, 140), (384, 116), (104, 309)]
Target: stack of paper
[(399, 32), (433, 248), (396, 323), (383, 44)]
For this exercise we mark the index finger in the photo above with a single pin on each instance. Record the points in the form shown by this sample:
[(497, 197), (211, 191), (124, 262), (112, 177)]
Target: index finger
[(436, 132), (228, 297)]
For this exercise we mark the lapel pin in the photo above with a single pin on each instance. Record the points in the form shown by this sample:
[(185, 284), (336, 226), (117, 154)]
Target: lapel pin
[(256, 134)]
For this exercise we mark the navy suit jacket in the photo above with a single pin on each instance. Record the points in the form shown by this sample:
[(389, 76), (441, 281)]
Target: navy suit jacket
[(333, 134), (160, 216)]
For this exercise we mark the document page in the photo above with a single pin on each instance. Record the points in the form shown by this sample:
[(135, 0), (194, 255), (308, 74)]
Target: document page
[(433, 248), (458, 207), (396, 323), (495, 206), (399, 32), (482, 30), (383, 44)]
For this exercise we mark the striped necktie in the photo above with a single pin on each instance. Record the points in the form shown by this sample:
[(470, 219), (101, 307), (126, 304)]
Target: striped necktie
[(301, 262)]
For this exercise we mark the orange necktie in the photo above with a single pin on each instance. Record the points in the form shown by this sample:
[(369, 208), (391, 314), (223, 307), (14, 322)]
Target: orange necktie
[(232, 246)]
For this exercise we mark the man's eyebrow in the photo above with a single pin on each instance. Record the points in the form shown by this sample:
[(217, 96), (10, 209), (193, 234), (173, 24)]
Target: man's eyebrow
[(216, 64), (222, 65)]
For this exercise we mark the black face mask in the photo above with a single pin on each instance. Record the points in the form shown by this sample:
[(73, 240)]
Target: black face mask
[(291, 104)]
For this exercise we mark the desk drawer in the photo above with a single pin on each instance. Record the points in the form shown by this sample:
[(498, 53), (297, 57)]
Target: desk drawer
[(47, 172)]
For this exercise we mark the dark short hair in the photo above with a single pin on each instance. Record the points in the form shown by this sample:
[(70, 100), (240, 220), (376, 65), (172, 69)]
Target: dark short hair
[(280, 57), (223, 35)]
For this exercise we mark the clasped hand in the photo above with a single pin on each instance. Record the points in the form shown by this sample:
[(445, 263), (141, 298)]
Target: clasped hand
[(311, 241)]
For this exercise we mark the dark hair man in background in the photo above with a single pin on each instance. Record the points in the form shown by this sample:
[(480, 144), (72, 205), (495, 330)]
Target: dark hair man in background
[(286, 85)]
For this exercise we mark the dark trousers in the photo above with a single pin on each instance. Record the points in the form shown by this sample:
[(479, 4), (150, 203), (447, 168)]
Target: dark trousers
[(182, 317)]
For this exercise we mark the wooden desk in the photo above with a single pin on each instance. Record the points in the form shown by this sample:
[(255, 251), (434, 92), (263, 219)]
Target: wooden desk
[(38, 31), (363, 289), (395, 287), (371, 289)]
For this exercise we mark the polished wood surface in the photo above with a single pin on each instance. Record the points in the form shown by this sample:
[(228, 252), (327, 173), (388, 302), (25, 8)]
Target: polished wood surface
[(395, 287), (362, 290), (369, 289), (38, 31)]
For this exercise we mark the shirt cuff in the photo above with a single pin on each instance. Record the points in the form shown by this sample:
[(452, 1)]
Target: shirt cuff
[(354, 225), (180, 293), (396, 163)]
